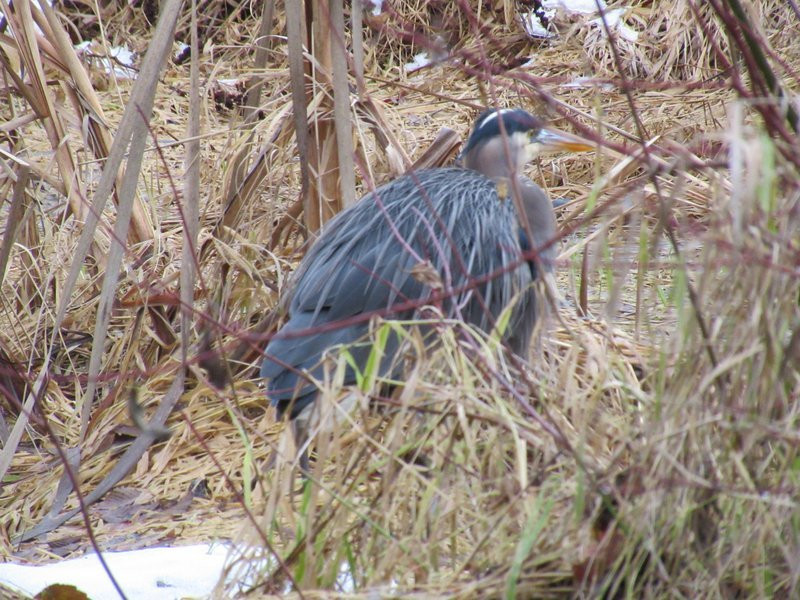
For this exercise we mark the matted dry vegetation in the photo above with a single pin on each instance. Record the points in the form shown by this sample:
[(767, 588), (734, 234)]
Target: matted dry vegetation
[(649, 449)]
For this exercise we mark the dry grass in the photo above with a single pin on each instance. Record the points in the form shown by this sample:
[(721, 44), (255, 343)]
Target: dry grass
[(650, 449)]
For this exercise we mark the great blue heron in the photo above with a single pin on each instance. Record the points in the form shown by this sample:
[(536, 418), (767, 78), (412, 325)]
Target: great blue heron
[(445, 236)]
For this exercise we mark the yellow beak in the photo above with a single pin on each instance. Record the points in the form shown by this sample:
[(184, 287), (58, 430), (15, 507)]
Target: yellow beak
[(554, 140)]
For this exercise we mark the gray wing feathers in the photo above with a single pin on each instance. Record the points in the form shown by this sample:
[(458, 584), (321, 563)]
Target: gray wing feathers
[(363, 259)]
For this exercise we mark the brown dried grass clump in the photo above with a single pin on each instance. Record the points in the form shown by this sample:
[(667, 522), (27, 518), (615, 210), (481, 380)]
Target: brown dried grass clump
[(431, 491), (676, 41), (658, 416), (445, 30)]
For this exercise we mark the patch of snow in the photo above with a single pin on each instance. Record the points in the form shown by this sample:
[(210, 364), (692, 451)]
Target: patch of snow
[(124, 61), (118, 60), (154, 574), (38, 5), (377, 6), (615, 22), (579, 83), (581, 7), (181, 51), (344, 580), (421, 60), (533, 26), (584, 82)]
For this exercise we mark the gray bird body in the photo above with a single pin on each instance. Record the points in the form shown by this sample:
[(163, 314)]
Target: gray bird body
[(363, 262), (460, 222)]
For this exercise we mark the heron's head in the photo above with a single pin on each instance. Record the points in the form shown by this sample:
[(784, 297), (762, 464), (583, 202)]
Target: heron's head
[(504, 140)]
